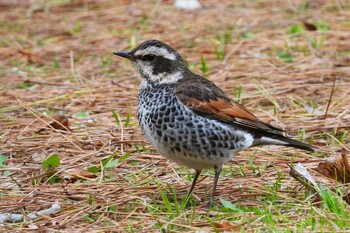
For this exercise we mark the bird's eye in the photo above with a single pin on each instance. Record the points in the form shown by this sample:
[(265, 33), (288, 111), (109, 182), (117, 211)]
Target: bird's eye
[(148, 57)]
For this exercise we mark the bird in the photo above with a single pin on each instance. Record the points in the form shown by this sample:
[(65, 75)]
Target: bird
[(190, 120)]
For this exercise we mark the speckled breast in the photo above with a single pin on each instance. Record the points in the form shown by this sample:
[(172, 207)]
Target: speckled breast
[(179, 134)]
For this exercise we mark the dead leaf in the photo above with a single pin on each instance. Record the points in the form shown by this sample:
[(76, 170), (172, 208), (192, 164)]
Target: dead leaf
[(301, 174), (337, 167), (309, 26), (74, 174), (226, 226), (60, 122)]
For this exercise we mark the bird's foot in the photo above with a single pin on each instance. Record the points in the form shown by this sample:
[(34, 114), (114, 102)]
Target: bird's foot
[(211, 203), (192, 203)]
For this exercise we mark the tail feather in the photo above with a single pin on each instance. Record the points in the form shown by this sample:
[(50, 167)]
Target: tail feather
[(276, 139)]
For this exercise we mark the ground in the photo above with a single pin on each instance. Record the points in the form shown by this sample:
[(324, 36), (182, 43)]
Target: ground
[(286, 61)]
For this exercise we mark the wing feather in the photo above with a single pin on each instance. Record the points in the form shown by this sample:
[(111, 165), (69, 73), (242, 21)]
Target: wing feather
[(209, 101)]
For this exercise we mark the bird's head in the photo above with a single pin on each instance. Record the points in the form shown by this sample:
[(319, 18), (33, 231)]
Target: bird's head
[(156, 61)]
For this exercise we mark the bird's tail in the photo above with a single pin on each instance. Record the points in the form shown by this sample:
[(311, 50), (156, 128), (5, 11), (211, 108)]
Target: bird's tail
[(276, 139)]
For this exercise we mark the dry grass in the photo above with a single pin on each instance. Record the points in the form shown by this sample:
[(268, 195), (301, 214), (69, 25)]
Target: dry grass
[(55, 58)]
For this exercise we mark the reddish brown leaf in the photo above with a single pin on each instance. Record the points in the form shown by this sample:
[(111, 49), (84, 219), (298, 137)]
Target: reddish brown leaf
[(74, 174), (336, 167), (226, 226), (60, 122), (309, 26)]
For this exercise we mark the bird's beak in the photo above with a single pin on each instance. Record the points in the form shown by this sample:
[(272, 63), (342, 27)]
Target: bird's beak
[(125, 54)]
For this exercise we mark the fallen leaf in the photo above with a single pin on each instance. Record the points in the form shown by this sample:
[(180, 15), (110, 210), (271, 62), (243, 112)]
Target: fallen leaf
[(226, 226), (74, 174), (301, 174), (60, 122), (309, 26), (337, 167)]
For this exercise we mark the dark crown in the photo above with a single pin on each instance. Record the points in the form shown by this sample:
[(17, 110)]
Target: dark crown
[(157, 62)]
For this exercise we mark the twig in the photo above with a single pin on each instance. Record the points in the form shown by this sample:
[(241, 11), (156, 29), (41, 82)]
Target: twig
[(330, 97)]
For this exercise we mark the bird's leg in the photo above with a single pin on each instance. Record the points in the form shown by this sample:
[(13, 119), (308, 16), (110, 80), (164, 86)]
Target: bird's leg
[(198, 172), (216, 179)]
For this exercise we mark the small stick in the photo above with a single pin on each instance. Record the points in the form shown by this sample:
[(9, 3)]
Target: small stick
[(330, 97)]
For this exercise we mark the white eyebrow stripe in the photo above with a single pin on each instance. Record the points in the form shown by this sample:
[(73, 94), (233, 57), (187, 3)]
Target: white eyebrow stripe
[(158, 52), (170, 78)]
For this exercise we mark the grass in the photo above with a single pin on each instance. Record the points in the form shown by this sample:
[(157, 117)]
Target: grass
[(55, 59)]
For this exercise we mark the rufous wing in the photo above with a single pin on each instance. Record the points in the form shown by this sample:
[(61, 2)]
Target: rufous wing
[(226, 111)]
